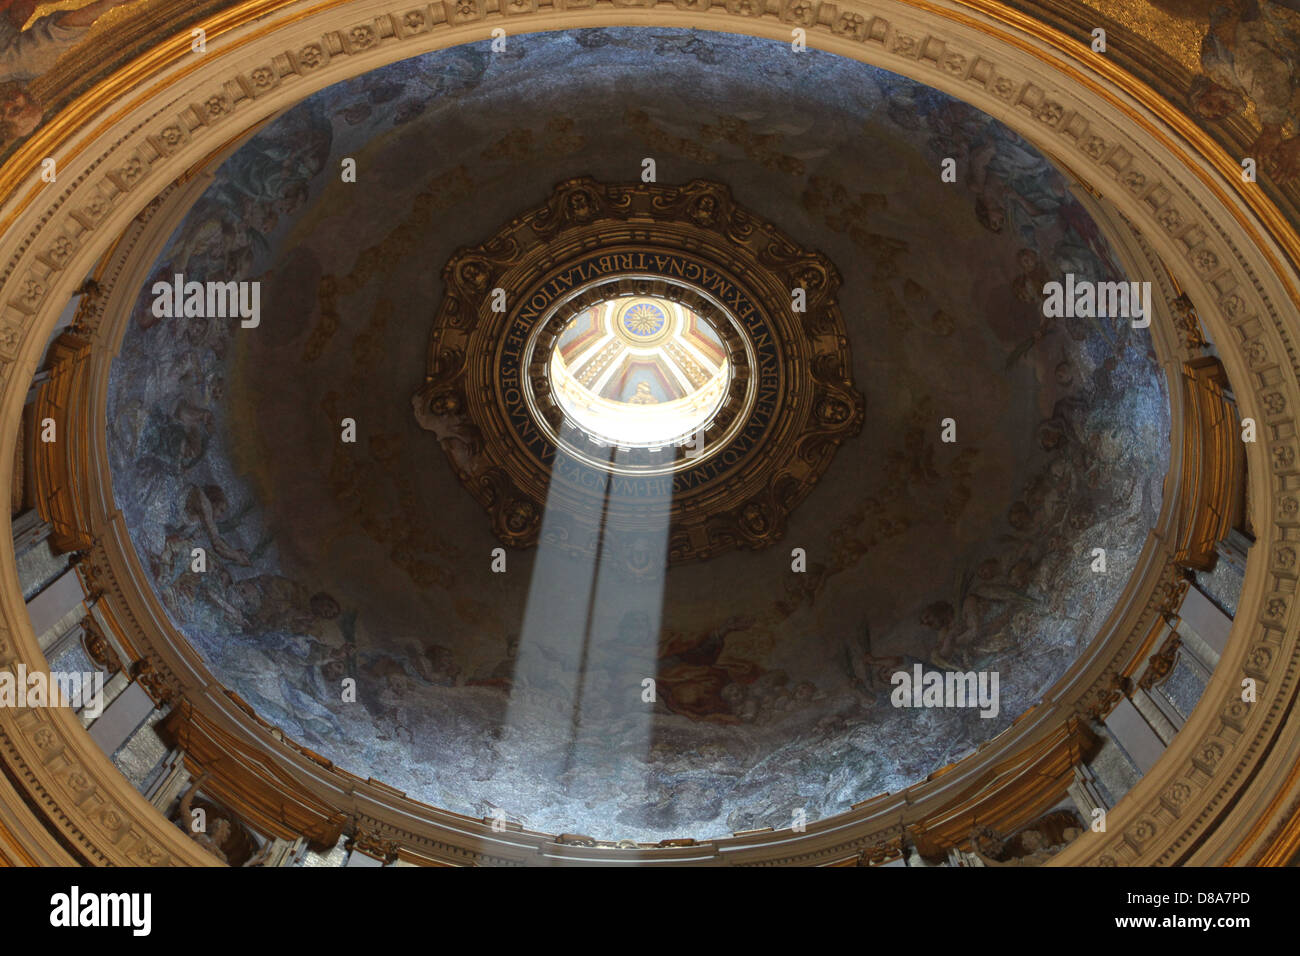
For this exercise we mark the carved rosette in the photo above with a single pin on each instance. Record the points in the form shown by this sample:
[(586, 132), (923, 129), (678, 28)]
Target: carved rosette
[(791, 401)]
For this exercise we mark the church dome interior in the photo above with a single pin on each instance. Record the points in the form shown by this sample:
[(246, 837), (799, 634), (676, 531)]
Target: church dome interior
[(522, 690), (641, 439)]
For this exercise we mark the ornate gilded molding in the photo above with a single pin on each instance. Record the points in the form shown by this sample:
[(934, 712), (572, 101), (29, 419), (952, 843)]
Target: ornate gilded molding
[(60, 454), (246, 781), (1036, 781), (1213, 464)]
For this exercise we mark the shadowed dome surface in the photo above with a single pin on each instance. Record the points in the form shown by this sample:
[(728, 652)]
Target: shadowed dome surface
[(369, 560)]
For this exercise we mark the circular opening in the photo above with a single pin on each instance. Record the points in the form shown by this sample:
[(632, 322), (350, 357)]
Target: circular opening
[(639, 372)]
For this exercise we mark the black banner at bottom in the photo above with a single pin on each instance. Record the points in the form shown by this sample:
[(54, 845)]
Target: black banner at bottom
[(302, 905)]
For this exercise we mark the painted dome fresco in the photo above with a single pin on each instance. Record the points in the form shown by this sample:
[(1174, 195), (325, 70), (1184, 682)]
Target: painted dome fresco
[(513, 682)]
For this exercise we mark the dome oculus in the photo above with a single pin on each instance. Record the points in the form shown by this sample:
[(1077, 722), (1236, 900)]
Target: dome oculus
[(639, 372)]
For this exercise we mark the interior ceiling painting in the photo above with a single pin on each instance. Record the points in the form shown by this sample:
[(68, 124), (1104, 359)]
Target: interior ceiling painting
[(369, 560)]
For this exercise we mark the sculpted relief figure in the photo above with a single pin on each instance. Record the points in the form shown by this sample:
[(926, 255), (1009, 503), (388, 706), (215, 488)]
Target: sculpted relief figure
[(443, 414), (218, 832), (215, 834), (1032, 846)]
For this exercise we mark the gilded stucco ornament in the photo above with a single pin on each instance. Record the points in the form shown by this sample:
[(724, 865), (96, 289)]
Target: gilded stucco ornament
[(489, 400)]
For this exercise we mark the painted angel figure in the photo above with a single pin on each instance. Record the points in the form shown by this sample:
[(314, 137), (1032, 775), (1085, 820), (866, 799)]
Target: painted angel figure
[(27, 53), (1251, 54)]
